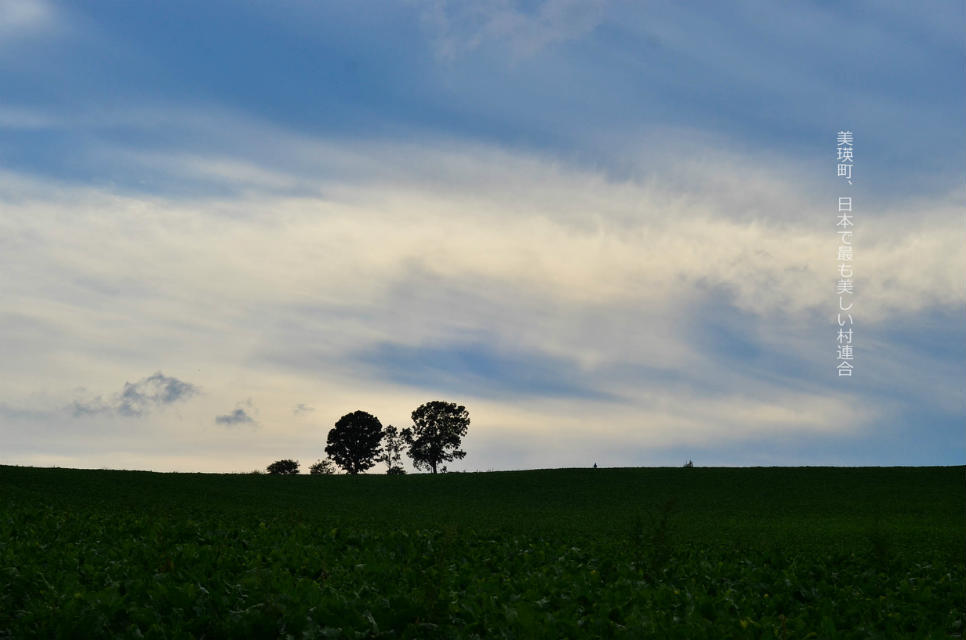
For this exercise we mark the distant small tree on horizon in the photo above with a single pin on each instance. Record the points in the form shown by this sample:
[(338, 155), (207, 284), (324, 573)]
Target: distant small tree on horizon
[(284, 468), (437, 432), (322, 468), (354, 441), (393, 447)]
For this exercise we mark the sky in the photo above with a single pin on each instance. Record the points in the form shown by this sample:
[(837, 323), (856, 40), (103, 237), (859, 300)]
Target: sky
[(609, 229)]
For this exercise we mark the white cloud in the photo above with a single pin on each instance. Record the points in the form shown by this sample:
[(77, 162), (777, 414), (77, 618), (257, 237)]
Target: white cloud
[(460, 27), (24, 19), (28, 119)]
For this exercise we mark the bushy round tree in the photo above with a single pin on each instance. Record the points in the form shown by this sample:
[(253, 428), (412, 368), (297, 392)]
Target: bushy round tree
[(437, 432), (284, 468), (354, 441)]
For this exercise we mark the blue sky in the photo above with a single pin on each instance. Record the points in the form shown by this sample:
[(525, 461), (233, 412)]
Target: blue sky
[(607, 228)]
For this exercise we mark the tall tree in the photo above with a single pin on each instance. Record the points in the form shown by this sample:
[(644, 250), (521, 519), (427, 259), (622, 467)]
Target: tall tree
[(354, 441), (436, 434), (393, 446)]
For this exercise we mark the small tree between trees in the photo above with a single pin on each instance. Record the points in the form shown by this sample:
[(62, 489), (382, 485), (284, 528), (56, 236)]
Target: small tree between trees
[(284, 468), (354, 441), (393, 446), (436, 434), (322, 468)]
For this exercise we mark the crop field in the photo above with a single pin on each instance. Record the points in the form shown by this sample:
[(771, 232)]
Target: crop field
[(637, 553)]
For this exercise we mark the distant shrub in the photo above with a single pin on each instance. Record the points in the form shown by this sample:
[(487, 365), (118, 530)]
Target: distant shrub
[(284, 468), (396, 471), (688, 464), (322, 468)]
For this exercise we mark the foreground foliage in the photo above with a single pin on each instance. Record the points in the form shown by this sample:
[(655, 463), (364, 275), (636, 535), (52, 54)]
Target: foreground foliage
[(637, 553)]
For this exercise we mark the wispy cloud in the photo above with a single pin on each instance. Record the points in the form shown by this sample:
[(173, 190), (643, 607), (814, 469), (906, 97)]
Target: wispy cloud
[(25, 119), (459, 27), (482, 370), (26, 413), (25, 18), (302, 409)]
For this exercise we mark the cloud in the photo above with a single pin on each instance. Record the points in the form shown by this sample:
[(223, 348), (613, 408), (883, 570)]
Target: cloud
[(156, 390), (27, 119), (565, 230), (22, 18), (302, 409), (460, 27), (97, 406), (138, 398), (240, 416), (481, 370), (26, 414)]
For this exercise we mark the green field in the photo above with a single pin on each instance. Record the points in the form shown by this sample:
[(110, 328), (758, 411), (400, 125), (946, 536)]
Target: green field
[(662, 553)]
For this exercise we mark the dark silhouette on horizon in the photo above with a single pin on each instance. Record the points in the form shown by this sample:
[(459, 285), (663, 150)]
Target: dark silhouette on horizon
[(437, 432), (393, 449), (322, 468), (284, 468), (354, 441)]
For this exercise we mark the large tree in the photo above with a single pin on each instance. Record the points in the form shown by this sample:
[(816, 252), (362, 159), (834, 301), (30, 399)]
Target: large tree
[(436, 434), (354, 441)]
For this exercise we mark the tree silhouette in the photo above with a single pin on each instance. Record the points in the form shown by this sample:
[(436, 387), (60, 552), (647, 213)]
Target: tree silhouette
[(392, 449), (322, 468), (437, 432), (354, 441), (283, 468)]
